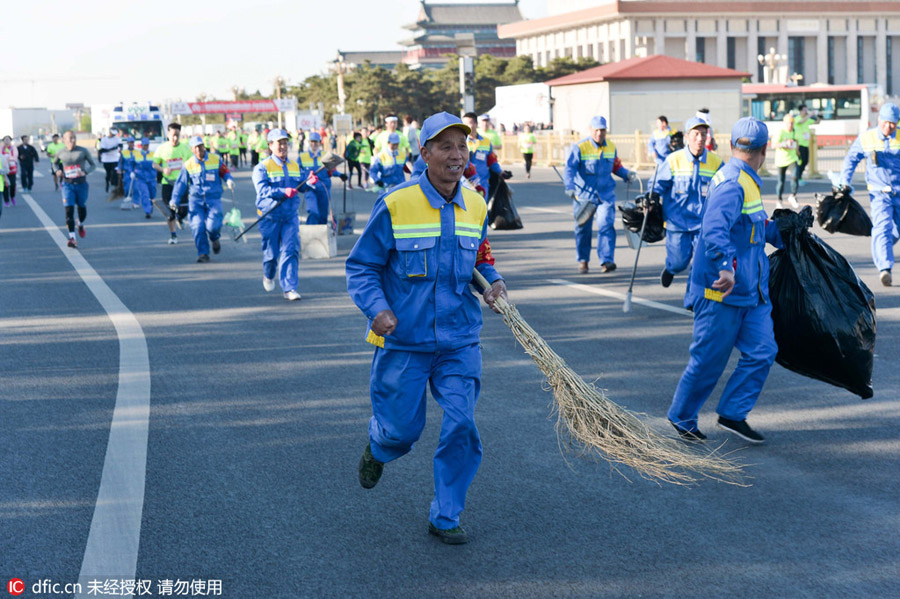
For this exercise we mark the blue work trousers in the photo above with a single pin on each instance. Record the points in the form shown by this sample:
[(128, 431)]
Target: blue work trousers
[(144, 192), (717, 329), (606, 234), (281, 250), (680, 249), (205, 218), (397, 384), (317, 206), (885, 224)]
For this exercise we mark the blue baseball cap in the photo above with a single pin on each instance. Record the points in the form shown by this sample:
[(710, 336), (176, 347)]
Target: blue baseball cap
[(436, 123), (393, 138), (276, 135), (752, 129), (196, 141), (145, 141), (129, 138), (314, 136), (694, 122), (889, 112), (598, 122)]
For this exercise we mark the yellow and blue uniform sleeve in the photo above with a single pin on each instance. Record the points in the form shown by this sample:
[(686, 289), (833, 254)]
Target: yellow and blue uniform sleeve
[(267, 195), (854, 155), (722, 212), (573, 162), (376, 170), (182, 184)]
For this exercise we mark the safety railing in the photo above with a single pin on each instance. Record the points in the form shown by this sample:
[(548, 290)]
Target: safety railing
[(551, 148)]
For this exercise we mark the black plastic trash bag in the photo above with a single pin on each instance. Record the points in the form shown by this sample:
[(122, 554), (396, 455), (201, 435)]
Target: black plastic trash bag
[(676, 141), (840, 213), (824, 316), (633, 217), (502, 213)]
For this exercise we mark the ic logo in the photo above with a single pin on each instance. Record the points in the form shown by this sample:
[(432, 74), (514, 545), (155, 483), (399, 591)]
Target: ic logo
[(15, 586)]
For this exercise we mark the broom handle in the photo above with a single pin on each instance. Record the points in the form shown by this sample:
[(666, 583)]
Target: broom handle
[(643, 225), (479, 278), (277, 204)]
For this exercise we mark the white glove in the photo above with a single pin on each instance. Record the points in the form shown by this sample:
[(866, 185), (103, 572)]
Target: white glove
[(570, 193), (632, 176), (230, 184), (173, 206), (132, 175)]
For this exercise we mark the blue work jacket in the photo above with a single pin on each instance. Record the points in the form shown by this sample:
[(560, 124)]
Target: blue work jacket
[(138, 162), (733, 237), (388, 167), (658, 144), (416, 257), (589, 170), (270, 178), (682, 182), (882, 156), (479, 151), (201, 179)]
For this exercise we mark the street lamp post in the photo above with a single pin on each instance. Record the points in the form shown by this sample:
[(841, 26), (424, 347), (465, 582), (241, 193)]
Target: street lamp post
[(279, 81)]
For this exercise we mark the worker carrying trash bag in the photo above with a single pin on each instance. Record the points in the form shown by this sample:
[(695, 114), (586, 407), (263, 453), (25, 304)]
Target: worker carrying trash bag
[(823, 314), (880, 147)]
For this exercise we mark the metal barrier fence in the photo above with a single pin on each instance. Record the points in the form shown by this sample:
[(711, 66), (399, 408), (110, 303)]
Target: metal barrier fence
[(552, 148)]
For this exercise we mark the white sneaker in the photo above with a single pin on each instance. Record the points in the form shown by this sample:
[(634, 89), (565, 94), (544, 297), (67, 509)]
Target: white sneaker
[(779, 205), (292, 296), (173, 240), (886, 278), (268, 284), (793, 200)]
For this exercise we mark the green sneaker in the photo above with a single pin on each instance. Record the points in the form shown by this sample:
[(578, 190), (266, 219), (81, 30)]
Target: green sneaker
[(370, 469), (451, 536)]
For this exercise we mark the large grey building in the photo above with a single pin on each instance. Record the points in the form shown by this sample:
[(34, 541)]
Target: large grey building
[(827, 41)]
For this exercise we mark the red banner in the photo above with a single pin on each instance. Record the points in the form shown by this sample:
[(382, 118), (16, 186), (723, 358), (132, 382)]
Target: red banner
[(234, 107)]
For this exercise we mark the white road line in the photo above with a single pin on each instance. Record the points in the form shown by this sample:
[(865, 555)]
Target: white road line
[(38, 174), (537, 209), (112, 544), (621, 296)]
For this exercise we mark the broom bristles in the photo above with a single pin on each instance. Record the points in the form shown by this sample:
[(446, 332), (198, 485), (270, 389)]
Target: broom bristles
[(592, 424)]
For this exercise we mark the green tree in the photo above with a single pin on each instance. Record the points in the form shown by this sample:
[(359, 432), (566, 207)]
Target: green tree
[(560, 67), (372, 93)]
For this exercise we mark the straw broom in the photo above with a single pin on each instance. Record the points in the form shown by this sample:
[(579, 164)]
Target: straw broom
[(592, 425)]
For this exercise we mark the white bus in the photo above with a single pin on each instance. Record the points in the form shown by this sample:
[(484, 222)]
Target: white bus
[(845, 110)]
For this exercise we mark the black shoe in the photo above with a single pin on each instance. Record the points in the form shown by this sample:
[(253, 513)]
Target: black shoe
[(451, 536), (665, 278), (741, 429), (217, 247), (607, 267), (203, 258), (686, 435), (370, 469), (148, 215)]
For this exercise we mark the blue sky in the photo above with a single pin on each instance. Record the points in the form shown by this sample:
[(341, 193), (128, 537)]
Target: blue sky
[(107, 51)]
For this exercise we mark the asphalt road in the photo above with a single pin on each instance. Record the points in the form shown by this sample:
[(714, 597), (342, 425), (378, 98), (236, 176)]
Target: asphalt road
[(258, 409)]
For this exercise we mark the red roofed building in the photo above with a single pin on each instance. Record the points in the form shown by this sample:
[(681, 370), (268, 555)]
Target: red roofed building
[(633, 92)]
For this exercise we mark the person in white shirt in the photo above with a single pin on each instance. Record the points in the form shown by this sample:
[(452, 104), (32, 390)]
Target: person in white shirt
[(108, 152)]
